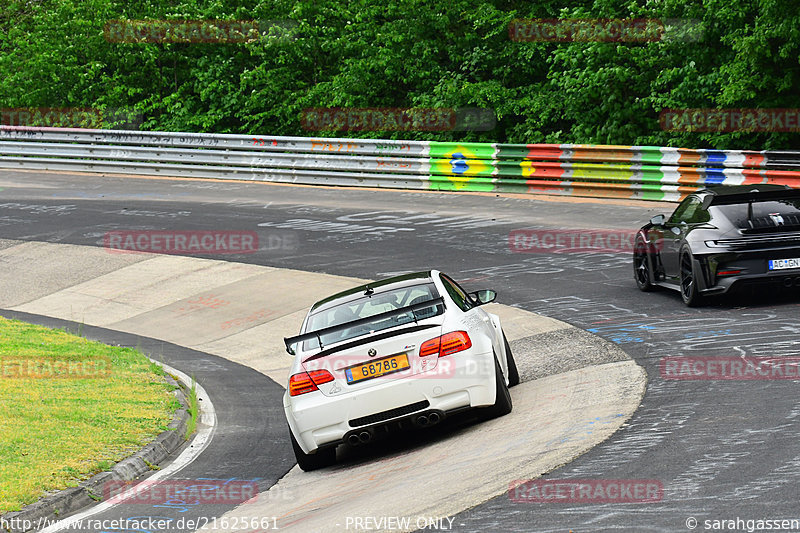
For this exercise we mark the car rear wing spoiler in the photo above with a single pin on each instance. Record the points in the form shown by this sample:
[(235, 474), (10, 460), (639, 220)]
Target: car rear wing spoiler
[(750, 197), (438, 302)]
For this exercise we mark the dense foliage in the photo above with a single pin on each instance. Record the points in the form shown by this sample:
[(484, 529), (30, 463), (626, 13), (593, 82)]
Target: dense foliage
[(415, 53)]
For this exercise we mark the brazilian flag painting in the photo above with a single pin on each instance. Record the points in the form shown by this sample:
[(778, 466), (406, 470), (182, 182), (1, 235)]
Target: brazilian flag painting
[(462, 166)]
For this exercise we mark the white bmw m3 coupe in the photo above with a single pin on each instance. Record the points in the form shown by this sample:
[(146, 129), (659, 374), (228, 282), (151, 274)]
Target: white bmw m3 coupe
[(393, 355)]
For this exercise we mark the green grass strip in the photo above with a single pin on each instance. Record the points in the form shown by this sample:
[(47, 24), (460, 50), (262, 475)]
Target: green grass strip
[(70, 408)]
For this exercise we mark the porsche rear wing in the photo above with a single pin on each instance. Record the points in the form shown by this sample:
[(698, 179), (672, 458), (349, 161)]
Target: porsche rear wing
[(438, 302), (750, 197)]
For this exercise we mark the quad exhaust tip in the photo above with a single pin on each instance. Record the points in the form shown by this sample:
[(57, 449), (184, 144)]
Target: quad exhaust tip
[(428, 419), (360, 438), (423, 420)]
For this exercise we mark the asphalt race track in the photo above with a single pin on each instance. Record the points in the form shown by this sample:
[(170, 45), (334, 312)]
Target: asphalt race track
[(721, 449)]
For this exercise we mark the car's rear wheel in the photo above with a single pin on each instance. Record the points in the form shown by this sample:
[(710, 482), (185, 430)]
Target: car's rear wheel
[(312, 461), (641, 265), (689, 293), (513, 373), (502, 403)]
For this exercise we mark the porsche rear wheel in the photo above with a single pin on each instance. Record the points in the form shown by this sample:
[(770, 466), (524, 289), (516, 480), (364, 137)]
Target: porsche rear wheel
[(689, 293)]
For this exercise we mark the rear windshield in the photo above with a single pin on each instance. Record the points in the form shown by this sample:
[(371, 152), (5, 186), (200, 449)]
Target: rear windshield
[(367, 306), (773, 214)]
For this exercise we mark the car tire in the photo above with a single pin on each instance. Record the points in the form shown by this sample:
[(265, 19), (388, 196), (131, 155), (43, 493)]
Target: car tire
[(312, 461), (502, 403), (689, 293), (642, 264), (513, 373)]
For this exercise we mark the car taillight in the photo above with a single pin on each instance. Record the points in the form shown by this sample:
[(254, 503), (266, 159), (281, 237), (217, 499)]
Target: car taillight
[(447, 344), (307, 381), (728, 272), (430, 347), (455, 342)]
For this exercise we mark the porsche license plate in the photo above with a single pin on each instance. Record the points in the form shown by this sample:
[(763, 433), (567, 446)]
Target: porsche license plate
[(378, 368), (783, 264)]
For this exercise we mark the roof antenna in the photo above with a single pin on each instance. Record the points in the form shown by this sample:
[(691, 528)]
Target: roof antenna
[(369, 291)]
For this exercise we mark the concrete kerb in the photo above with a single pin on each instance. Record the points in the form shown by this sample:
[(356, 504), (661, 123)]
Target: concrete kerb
[(68, 501)]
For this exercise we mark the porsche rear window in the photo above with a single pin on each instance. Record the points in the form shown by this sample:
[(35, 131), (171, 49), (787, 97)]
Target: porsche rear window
[(367, 306)]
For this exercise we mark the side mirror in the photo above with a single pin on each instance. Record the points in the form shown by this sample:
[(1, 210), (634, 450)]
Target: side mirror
[(483, 296), (658, 220)]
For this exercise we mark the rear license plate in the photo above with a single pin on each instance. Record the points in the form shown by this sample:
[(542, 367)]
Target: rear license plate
[(783, 264), (378, 368)]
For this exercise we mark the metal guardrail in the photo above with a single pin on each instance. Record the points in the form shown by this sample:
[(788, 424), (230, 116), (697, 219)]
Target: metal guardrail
[(643, 172)]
